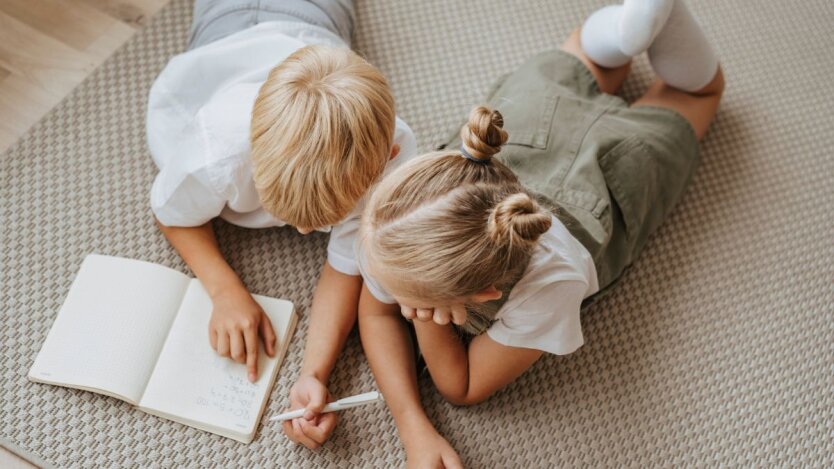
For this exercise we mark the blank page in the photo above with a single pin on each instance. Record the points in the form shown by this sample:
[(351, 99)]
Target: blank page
[(111, 326), (194, 385)]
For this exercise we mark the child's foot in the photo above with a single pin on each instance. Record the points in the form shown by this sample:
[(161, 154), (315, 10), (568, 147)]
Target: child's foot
[(681, 54), (600, 38), (640, 23)]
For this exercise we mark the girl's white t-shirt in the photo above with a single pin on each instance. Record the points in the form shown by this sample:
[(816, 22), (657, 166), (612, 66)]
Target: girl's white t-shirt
[(542, 310), (198, 125)]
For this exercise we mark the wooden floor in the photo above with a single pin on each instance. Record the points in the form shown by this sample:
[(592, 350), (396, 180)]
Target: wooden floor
[(11, 461), (47, 47)]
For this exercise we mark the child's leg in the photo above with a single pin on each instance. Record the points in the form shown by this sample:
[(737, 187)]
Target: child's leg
[(641, 22), (681, 54), (600, 37), (678, 50), (691, 81), (612, 35), (609, 79), (215, 19), (698, 107)]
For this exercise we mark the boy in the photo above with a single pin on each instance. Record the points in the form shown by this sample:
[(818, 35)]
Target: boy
[(269, 119)]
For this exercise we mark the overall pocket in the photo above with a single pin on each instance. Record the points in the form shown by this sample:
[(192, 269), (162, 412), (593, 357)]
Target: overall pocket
[(528, 116), (546, 131), (632, 174)]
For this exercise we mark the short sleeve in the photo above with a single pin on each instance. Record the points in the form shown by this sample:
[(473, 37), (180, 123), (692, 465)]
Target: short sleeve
[(184, 192), (373, 285), (180, 198), (340, 252), (548, 320)]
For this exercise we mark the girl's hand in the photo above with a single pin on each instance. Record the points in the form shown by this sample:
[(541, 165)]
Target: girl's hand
[(236, 322), (441, 315), (314, 428), (431, 451)]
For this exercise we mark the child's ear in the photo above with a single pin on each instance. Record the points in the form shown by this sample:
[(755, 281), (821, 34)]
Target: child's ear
[(488, 294), (395, 150)]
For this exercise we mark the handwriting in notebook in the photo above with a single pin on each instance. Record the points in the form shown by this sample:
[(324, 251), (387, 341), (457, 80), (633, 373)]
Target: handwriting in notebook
[(233, 398)]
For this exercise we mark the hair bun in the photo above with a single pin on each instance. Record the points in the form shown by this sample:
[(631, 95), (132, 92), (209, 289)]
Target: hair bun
[(484, 134), (518, 217)]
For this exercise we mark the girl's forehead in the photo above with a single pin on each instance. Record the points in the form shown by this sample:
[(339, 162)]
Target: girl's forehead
[(398, 285)]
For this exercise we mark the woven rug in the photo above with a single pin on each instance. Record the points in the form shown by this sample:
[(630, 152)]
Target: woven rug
[(717, 349)]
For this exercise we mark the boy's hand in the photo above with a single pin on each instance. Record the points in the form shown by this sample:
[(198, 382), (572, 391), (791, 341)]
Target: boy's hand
[(441, 315), (431, 451), (236, 322), (314, 428)]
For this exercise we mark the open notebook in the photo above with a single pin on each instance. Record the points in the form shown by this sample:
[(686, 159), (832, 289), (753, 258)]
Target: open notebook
[(139, 332)]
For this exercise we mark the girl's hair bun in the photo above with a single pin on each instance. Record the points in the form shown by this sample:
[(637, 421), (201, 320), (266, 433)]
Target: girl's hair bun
[(484, 134), (518, 218)]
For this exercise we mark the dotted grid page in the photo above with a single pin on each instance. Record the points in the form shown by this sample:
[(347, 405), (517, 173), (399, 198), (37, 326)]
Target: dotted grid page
[(111, 327), (194, 385)]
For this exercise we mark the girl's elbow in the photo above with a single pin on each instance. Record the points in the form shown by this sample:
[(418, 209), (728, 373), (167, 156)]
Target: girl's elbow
[(463, 399)]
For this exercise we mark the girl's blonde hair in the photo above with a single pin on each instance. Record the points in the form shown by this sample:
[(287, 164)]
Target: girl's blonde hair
[(322, 132), (450, 224)]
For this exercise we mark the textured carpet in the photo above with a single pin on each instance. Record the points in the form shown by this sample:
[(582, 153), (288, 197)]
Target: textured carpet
[(716, 349)]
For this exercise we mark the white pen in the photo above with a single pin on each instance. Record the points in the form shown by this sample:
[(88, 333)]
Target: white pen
[(341, 404)]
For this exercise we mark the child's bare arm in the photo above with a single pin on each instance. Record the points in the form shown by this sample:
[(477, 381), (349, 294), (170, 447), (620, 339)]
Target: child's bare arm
[(332, 316), (236, 319), (390, 353), (464, 375)]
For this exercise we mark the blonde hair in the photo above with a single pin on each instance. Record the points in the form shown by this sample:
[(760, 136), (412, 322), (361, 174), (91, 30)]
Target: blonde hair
[(444, 226), (322, 132)]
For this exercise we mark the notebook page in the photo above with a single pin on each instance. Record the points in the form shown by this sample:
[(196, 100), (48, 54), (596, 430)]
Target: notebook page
[(111, 326), (194, 385)]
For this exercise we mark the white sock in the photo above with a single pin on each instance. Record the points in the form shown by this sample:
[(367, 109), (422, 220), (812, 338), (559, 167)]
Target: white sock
[(600, 38), (681, 54), (640, 22), (678, 50)]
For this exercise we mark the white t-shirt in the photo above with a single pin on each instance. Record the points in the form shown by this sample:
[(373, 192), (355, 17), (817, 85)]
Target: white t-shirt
[(199, 113), (542, 310)]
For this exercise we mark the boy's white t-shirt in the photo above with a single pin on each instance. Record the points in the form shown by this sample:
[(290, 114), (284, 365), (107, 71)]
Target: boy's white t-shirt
[(542, 310), (198, 123)]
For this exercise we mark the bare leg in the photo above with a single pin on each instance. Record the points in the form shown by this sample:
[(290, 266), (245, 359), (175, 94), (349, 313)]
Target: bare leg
[(609, 79), (698, 107)]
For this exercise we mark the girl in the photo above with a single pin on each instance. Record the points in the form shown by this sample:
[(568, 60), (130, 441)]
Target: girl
[(531, 213)]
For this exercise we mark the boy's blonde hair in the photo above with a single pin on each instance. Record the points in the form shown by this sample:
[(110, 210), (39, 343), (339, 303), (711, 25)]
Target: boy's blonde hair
[(322, 131), (444, 227)]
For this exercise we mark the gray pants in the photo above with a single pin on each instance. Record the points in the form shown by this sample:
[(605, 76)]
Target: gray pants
[(216, 19)]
